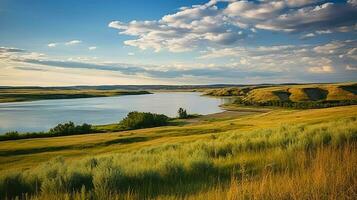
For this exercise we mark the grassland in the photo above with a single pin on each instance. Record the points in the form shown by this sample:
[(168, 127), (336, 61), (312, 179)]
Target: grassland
[(271, 154), (32, 94), (293, 93)]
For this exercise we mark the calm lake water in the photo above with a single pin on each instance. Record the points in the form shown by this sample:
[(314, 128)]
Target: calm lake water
[(45, 114)]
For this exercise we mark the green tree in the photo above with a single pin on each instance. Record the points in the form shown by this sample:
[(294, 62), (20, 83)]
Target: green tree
[(182, 113), (135, 120)]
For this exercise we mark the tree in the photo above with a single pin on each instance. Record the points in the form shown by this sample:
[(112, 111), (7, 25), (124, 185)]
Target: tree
[(70, 128), (182, 113), (135, 120)]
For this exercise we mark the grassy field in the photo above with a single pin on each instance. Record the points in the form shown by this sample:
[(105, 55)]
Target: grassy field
[(264, 154), (16, 94), (294, 93)]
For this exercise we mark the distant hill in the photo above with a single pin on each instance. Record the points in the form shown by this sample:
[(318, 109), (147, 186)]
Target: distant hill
[(127, 87), (143, 87), (293, 93)]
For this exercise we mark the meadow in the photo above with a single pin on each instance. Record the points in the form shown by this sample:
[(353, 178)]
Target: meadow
[(273, 154)]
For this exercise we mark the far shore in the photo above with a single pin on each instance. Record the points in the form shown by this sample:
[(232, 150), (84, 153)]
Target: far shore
[(8, 95)]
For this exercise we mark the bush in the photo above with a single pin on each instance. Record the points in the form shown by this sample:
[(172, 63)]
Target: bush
[(182, 113), (136, 120), (70, 128), (12, 134)]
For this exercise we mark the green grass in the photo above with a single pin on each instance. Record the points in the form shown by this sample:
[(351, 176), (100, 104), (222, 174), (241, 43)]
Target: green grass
[(14, 94), (224, 159)]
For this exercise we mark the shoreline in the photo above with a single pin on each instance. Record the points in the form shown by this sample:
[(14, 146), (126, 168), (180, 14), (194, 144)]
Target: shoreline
[(226, 114), (38, 95)]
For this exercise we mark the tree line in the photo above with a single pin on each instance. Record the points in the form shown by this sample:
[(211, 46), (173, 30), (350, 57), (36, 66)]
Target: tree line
[(62, 129)]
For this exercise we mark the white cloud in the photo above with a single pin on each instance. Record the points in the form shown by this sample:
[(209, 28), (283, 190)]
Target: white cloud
[(320, 32), (92, 48), (321, 69), (329, 48), (352, 53), (131, 54), (326, 15), (309, 35), (52, 44), (243, 64), (298, 3), (212, 25), (73, 42), (345, 29), (251, 10), (324, 58)]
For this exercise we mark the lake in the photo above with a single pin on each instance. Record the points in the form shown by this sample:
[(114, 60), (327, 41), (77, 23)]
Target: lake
[(45, 114)]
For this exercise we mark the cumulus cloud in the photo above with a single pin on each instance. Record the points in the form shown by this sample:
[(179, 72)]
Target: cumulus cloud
[(326, 58), (73, 42), (321, 69), (298, 3), (180, 31), (326, 15), (211, 25)]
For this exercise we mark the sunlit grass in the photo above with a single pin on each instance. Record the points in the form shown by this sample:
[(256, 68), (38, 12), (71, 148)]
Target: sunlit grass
[(233, 164)]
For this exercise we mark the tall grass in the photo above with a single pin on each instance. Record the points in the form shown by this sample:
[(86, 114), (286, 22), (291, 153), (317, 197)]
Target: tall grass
[(330, 173), (233, 165)]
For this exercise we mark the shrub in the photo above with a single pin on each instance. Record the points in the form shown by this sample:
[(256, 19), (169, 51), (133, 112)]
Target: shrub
[(12, 134), (182, 113), (136, 120), (70, 128)]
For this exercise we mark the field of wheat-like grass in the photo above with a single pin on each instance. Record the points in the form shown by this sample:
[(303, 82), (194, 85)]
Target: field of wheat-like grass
[(312, 157)]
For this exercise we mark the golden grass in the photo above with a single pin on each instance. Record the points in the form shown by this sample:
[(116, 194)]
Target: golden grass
[(275, 154), (295, 93), (31, 152), (311, 161), (329, 174)]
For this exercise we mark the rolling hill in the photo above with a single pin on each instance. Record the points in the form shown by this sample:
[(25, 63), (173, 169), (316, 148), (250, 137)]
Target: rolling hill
[(293, 93)]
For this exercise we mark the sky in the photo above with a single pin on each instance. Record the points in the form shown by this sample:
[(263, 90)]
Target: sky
[(109, 42)]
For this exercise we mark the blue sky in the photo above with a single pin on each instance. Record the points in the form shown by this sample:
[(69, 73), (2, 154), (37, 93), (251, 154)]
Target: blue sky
[(87, 42)]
